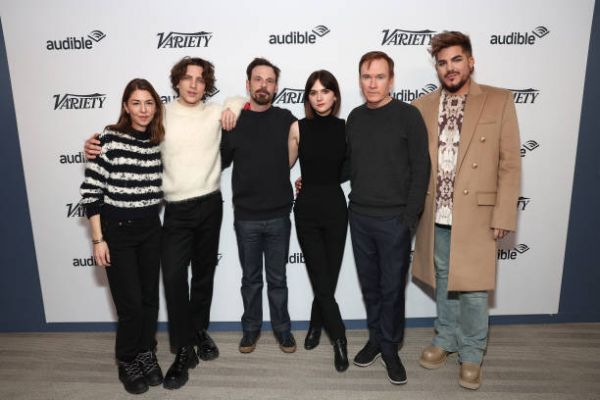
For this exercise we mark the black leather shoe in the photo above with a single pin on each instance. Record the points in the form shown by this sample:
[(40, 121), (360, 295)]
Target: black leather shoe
[(340, 355), (150, 368), (395, 369), (367, 355), (313, 336), (248, 342), (177, 375), (132, 377), (207, 349), (286, 340)]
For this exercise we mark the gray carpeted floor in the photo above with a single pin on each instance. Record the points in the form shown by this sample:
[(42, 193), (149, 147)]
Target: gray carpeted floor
[(545, 362)]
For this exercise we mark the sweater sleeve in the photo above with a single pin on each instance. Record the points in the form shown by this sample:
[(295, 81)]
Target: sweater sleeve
[(226, 149), (235, 104), (94, 184), (420, 167)]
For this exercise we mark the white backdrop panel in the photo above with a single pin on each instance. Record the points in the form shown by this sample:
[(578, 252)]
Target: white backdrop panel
[(546, 75)]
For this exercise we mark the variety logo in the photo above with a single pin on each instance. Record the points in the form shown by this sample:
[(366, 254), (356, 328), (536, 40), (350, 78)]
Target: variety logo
[(297, 37), (75, 210), (528, 147), (520, 38), (181, 40), (523, 202), (219, 257), (512, 254), (70, 101), (525, 96), (78, 158), (296, 258), (76, 43), (402, 37), (408, 95), (289, 96)]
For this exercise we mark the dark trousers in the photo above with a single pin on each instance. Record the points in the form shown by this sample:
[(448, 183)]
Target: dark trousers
[(191, 232), (382, 253), (322, 241), (271, 239), (134, 248)]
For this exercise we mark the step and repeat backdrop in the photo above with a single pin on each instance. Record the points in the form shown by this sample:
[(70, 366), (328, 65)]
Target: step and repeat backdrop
[(69, 62)]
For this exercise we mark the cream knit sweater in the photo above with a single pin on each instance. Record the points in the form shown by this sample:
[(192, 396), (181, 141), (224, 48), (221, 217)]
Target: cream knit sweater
[(190, 152)]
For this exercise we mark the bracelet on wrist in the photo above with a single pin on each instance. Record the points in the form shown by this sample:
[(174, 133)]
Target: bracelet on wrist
[(101, 240)]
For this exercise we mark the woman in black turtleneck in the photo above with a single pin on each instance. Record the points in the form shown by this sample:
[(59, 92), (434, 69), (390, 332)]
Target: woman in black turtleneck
[(319, 141)]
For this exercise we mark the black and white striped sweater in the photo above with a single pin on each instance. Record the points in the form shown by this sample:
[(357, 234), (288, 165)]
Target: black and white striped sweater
[(124, 182)]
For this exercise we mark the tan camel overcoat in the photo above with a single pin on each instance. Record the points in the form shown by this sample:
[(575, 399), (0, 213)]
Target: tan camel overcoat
[(486, 188)]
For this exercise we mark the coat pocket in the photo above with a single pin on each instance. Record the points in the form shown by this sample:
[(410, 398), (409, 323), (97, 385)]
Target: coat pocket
[(486, 198)]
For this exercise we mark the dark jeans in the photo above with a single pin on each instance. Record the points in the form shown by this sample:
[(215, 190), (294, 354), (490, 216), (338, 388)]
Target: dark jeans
[(270, 238), (322, 242), (190, 234), (134, 248), (382, 254)]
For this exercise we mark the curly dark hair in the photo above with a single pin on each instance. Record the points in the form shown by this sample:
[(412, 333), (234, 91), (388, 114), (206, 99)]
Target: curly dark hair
[(208, 73)]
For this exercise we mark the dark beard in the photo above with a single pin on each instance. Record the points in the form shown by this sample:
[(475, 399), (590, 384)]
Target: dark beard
[(262, 100)]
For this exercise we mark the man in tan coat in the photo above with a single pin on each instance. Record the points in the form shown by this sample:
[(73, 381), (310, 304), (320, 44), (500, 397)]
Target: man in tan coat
[(471, 202)]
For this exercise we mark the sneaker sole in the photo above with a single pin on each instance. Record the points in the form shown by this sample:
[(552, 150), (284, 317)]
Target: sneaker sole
[(288, 349), (247, 349), (393, 382), (363, 365)]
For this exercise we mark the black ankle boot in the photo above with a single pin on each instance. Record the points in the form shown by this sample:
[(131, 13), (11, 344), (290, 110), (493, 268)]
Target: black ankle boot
[(340, 354), (313, 337), (177, 375), (132, 377), (150, 368)]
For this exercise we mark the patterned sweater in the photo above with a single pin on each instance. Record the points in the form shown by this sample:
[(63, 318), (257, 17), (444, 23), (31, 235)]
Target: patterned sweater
[(124, 182)]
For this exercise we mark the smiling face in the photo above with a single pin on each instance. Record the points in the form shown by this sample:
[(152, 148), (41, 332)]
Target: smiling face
[(262, 85), (141, 108), (376, 82), (321, 99), (454, 68), (191, 86)]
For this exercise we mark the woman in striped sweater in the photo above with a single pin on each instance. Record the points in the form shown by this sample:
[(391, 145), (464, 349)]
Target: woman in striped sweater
[(122, 195)]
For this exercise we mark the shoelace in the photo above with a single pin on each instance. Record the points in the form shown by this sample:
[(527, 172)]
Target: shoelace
[(133, 370), (147, 361), (182, 359)]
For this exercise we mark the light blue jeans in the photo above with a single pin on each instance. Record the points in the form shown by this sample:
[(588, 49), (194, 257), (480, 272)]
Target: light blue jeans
[(462, 317)]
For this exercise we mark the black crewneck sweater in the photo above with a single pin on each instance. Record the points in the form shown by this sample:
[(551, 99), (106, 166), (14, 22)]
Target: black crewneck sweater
[(258, 148)]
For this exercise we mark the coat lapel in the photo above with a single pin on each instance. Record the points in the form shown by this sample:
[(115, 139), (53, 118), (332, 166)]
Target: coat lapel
[(473, 108), (431, 111)]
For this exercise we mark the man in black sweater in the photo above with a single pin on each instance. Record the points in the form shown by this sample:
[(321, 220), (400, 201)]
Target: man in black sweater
[(262, 200), (389, 172)]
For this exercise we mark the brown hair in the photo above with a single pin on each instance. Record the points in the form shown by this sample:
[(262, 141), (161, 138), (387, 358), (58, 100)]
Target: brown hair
[(257, 62), (447, 39), (329, 82), (371, 56), (208, 73), (155, 129)]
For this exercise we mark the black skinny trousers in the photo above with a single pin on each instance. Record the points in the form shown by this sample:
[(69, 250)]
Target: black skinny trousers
[(134, 248)]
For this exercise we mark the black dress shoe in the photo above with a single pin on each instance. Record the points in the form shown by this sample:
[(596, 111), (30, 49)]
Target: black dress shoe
[(177, 375), (286, 340), (207, 349), (132, 377), (150, 368), (340, 355), (313, 336), (248, 342)]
